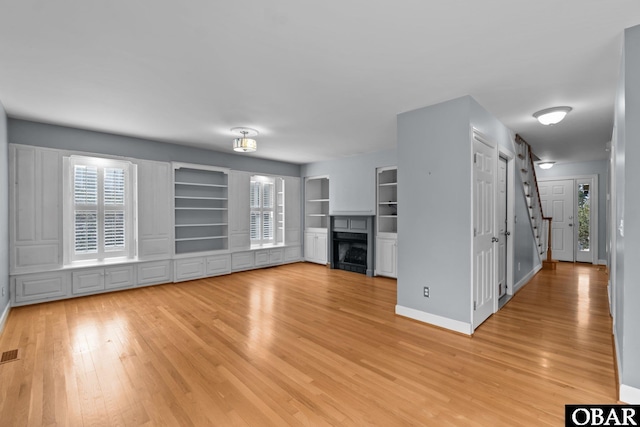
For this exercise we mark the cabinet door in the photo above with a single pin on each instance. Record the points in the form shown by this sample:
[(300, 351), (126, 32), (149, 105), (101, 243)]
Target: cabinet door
[(239, 183), (276, 256), (40, 287), (189, 269), (262, 257), (310, 247), (153, 273), (119, 277), (291, 253), (386, 258), (242, 261), (35, 208), (154, 209), (218, 264), (321, 248), (87, 281), (292, 210)]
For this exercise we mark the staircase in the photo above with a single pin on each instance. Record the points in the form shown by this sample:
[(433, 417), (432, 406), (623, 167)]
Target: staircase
[(540, 224)]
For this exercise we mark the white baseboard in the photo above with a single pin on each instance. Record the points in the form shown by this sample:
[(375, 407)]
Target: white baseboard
[(433, 319), (602, 262), (4, 316), (526, 278), (629, 395)]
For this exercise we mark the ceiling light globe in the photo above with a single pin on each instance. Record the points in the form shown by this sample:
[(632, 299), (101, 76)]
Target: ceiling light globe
[(245, 145), (551, 116)]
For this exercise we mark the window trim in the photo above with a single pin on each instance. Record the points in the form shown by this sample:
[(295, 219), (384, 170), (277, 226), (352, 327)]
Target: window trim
[(69, 208)]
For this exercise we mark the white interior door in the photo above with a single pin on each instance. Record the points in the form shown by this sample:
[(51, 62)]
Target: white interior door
[(503, 234), (557, 201), (484, 240)]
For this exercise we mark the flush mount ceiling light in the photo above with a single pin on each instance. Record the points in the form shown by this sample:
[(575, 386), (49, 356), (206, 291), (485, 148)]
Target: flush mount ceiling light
[(551, 116), (546, 165), (244, 144)]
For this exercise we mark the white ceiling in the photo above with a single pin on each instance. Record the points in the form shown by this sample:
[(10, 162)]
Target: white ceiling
[(319, 80)]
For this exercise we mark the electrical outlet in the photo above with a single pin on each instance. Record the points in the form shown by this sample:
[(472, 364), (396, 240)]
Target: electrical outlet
[(3, 291), (518, 266), (426, 292)]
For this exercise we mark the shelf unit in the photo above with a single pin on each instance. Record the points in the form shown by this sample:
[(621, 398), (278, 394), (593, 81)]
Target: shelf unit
[(200, 208), (316, 212), (387, 214)]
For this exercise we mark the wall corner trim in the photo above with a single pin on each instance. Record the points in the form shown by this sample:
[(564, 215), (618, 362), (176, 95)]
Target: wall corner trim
[(629, 395), (433, 319), (4, 317)]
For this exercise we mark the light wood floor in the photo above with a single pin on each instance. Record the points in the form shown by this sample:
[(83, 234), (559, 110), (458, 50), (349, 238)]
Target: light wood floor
[(305, 345)]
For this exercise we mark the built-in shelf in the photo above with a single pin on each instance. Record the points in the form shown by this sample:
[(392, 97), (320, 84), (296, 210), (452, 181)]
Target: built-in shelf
[(387, 188), (201, 208), (316, 203)]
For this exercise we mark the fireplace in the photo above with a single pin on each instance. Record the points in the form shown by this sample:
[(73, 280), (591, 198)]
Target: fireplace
[(351, 243)]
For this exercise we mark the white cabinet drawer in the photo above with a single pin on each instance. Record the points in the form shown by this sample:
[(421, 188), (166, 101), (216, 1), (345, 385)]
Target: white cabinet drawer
[(119, 277), (219, 264), (153, 273), (87, 281), (41, 286), (189, 269)]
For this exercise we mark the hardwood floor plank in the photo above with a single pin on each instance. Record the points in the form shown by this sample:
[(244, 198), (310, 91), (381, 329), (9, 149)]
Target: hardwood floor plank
[(305, 345)]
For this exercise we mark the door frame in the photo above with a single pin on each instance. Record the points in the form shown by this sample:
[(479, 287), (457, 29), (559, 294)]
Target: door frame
[(593, 236), (511, 168)]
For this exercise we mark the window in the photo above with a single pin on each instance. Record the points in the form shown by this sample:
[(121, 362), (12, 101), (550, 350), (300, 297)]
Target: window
[(263, 210), (99, 208)]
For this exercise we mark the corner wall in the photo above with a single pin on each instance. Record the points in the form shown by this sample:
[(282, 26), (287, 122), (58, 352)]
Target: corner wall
[(4, 219)]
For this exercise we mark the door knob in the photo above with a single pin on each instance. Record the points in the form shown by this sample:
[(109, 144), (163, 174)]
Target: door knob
[(494, 239), (570, 225), (507, 233)]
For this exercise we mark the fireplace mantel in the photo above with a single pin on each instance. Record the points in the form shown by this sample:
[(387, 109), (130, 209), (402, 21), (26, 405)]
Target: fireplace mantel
[(360, 230)]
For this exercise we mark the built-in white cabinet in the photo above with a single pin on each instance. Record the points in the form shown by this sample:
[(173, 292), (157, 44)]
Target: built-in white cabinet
[(315, 247), (154, 210), (316, 216), (199, 267), (40, 287), (264, 257), (92, 280), (240, 237), (386, 257), (387, 221), (35, 199), (154, 273), (200, 208)]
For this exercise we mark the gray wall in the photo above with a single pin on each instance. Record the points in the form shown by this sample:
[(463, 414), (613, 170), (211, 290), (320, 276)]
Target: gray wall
[(627, 208), (66, 138), (352, 180), (434, 192), (598, 167), (4, 212)]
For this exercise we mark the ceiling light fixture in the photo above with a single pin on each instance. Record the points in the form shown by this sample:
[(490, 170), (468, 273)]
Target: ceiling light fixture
[(551, 116), (546, 165), (244, 144)]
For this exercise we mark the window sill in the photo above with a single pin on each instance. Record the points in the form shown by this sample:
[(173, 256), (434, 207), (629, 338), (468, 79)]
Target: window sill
[(100, 263), (267, 246)]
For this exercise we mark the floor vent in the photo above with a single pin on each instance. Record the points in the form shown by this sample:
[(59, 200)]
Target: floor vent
[(9, 356)]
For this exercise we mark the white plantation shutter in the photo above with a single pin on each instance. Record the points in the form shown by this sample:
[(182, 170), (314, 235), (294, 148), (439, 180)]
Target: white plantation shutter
[(86, 232), (267, 226), (262, 201), (254, 225), (102, 208), (254, 195)]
